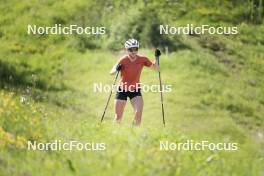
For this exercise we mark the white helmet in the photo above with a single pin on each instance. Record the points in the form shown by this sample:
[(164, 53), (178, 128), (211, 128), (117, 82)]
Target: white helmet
[(131, 43)]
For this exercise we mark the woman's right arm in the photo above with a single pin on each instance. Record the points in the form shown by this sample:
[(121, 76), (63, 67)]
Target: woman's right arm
[(116, 67), (113, 70)]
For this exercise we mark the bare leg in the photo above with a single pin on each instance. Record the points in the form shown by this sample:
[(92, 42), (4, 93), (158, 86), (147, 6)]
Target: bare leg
[(119, 109), (137, 103)]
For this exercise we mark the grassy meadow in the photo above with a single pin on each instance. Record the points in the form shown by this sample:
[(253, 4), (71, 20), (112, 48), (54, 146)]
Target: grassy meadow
[(46, 91)]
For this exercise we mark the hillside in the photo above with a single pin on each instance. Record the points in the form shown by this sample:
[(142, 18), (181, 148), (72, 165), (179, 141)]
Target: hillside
[(46, 88)]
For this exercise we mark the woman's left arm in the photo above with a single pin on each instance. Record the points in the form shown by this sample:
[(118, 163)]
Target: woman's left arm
[(155, 66)]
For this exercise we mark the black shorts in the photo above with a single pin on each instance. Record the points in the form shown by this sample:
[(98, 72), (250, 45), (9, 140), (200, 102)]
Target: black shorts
[(122, 95)]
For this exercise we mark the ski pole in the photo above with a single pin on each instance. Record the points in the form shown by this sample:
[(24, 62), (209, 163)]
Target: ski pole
[(109, 97), (157, 55)]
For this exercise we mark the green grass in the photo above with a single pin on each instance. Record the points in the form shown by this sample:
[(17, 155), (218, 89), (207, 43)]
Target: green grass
[(46, 85), (201, 106)]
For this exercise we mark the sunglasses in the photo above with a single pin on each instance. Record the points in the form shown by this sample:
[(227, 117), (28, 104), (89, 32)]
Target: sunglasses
[(132, 49)]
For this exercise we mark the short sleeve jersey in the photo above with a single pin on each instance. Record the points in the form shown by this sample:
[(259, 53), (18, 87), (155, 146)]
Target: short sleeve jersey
[(131, 70)]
